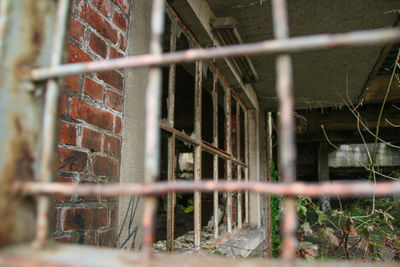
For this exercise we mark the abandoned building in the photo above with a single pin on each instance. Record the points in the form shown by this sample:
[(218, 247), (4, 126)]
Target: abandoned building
[(221, 119)]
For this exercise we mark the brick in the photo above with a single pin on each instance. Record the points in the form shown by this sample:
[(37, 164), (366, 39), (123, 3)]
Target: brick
[(91, 140), (73, 83), (71, 160), (77, 30), (107, 238), (60, 197), (106, 166), (98, 45), (77, 219), (101, 217), (103, 5), (114, 53), (62, 104), (94, 19), (75, 54), (84, 218), (118, 124), (119, 20), (123, 4), (93, 89), (112, 145), (114, 101), (122, 42), (112, 78), (67, 133), (81, 110)]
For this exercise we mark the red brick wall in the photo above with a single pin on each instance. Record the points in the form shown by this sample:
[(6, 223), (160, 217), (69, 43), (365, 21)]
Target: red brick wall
[(91, 112)]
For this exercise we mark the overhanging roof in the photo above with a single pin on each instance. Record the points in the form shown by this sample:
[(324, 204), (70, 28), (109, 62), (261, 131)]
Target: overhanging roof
[(318, 75)]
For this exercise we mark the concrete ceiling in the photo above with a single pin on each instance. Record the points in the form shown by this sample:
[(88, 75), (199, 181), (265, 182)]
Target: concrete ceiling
[(317, 75)]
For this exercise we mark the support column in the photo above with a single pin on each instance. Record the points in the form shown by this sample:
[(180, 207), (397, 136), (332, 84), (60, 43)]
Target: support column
[(254, 169), (323, 173)]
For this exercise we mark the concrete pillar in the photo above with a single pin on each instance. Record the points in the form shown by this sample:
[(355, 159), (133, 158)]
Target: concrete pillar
[(132, 159), (323, 172), (254, 169)]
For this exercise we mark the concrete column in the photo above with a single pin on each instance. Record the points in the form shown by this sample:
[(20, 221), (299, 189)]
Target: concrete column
[(132, 159), (323, 172), (254, 169)]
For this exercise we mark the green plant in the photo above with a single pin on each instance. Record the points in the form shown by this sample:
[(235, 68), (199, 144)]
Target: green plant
[(376, 231), (276, 215), (186, 209)]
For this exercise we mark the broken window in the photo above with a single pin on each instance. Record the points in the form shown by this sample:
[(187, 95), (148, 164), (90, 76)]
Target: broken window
[(203, 138)]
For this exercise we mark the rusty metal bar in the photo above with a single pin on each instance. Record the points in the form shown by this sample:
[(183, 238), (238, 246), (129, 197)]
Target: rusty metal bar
[(204, 145), (171, 143), (287, 145), (268, 219), (215, 156), (228, 138), (50, 119), (246, 159), (289, 45), (238, 168), (197, 151), (158, 188), (239, 198), (152, 131), (171, 195)]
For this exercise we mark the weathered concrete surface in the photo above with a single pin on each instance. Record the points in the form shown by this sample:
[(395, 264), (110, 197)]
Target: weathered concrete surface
[(242, 244), (132, 165), (25, 37)]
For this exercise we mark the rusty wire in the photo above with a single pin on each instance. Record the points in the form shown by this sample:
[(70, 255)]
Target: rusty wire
[(345, 189), (287, 144), (152, 131), (49, 134), (289, 45)]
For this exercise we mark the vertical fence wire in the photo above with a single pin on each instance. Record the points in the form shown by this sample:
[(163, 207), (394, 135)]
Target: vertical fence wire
[(197, 152), (171, 143), (238, 168), (287, 146), (50, 119), (228, 135), (215, 156), (152, 130), (246, 158), (268, 214)]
